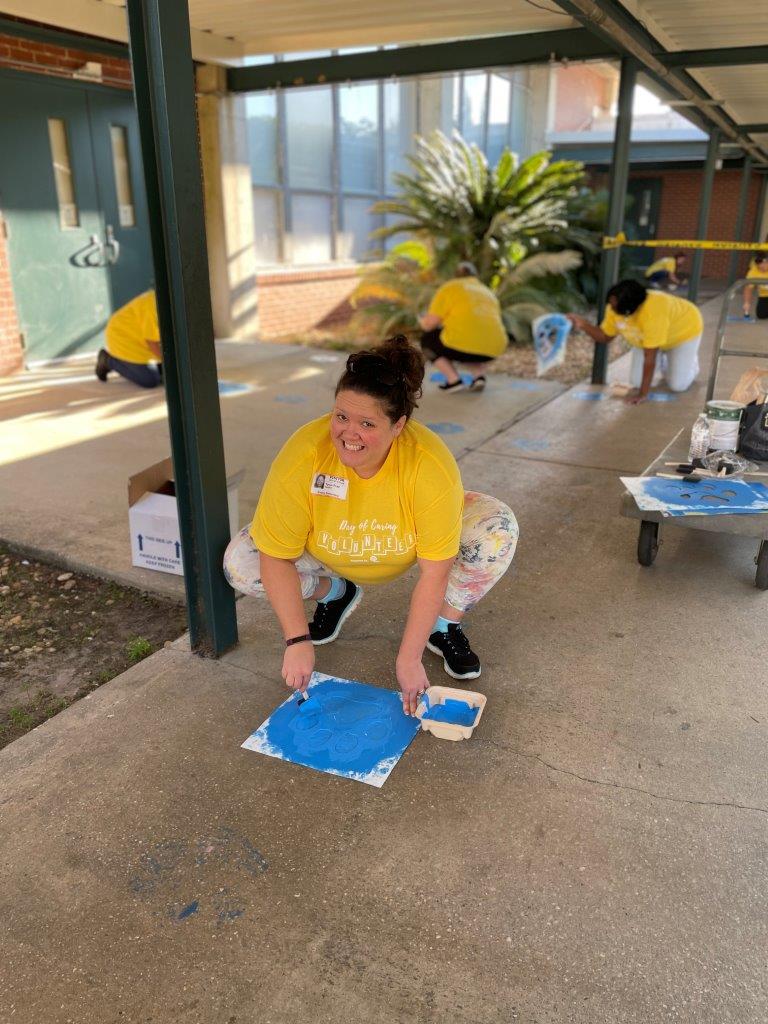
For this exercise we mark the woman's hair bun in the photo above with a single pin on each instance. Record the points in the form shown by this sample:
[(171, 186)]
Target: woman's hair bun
[(405, 359), (392, 372)]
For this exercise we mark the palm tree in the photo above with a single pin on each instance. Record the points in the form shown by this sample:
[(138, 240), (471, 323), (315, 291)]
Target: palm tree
[(455, 207)]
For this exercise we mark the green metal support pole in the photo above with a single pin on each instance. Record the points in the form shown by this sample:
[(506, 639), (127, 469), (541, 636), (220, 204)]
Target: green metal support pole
[(165, 99), (741, 216), (706, 198), (617, 200), (760, 208)]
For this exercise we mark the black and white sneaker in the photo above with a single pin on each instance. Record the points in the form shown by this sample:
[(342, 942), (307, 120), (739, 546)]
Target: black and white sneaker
[(458, 385), (459, 660), (330, 615), (478, 384)]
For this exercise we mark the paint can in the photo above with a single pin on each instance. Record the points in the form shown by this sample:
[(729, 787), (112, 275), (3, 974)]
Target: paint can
[(724, 418)]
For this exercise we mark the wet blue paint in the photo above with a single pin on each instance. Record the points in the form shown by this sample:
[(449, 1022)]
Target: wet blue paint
[(661, 396), (704, 497), (446, 428), (439, 378), (230, 387), (192, 908), (345, 728), (455, 712), (291, 399), (531, 444), (589, 396)]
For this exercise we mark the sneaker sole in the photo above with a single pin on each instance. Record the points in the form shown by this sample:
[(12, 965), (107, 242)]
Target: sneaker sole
[(449, 671), (347, 612)]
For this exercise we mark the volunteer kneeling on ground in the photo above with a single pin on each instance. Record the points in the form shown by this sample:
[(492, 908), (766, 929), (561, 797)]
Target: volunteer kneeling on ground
[(463, 325), (666, 271), (652, 322), (358, 497), (758, 268), (133, 342)]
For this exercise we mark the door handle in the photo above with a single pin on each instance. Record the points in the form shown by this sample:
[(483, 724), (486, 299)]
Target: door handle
[(111, 246), (92, 255)]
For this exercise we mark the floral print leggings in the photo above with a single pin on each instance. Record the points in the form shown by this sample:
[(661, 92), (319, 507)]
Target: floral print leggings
[(488, 540)]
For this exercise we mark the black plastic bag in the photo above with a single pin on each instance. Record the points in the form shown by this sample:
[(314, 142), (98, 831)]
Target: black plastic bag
[(754, 434)]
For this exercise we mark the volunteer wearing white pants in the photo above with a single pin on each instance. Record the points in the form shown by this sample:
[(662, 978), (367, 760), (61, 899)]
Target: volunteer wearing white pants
[(664, 330)]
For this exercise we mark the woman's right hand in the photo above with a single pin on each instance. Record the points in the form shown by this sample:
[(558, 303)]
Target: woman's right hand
[(298, 663)]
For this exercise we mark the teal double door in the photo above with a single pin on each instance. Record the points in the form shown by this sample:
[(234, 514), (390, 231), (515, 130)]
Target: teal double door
[(73, 202)]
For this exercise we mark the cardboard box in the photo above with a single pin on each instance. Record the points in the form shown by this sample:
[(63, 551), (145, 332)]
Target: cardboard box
[(153, 517)]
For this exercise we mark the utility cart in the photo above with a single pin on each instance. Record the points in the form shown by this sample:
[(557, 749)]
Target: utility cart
[(676, 452)]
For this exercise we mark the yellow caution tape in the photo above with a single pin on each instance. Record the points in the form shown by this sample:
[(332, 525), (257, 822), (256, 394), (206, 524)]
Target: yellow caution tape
[(616, 242)]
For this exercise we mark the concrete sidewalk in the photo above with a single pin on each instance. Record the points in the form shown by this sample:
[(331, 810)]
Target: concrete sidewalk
[(594, 855)]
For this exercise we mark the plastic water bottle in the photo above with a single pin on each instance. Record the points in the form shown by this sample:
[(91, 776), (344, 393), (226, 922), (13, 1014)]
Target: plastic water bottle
[(700, 435)]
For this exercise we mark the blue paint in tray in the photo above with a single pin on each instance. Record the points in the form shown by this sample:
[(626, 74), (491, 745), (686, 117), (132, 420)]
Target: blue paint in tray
[(345, 728), (701, 497), (456, 712)]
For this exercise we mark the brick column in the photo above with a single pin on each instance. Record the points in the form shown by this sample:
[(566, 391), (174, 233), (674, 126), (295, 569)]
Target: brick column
[(11, 352)]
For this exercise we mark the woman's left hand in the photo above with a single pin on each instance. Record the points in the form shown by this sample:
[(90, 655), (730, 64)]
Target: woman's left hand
[(635, 397), (412, 680)]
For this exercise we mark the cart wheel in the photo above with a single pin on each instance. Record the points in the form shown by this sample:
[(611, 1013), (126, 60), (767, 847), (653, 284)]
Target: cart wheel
[(648, 542), (761, 561)]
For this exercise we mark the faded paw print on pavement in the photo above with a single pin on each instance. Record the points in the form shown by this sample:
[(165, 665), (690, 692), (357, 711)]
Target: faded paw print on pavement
[(206, 877)]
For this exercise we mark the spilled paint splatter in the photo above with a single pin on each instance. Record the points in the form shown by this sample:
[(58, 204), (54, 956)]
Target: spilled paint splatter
[(230, 387), (446, 428), (531, 444)]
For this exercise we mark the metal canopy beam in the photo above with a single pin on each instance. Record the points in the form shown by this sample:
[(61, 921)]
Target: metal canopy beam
[(754, 129), (617, 199), (727, 56), (741, 216), (704, 204), (464, 55), (165, 101)]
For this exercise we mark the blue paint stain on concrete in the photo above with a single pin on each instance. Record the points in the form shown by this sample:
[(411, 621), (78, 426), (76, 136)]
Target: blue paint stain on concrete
[(291, 399), (661, 396), (191, 908), (230, 387), (524, 385), (589, 396), (531, 444), (345, 728), (446, 428)]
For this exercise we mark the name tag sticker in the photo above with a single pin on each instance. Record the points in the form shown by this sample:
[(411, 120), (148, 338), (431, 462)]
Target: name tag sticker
[(330, 486)]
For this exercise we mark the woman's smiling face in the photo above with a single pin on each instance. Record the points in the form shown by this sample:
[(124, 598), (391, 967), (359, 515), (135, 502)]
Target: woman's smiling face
[(362, 433)]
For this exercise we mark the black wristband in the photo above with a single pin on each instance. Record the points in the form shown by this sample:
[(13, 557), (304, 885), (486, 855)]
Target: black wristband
[(298, 640)]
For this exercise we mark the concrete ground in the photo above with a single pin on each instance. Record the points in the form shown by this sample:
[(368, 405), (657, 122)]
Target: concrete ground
[(595, 853)]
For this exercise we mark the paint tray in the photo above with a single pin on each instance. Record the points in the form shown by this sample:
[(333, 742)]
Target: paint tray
[(446, 697)]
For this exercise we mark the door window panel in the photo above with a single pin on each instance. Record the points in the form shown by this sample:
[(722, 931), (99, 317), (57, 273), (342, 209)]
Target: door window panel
[(311, 228), (69, 216), (359, 131), (125, 204), (309, 117)]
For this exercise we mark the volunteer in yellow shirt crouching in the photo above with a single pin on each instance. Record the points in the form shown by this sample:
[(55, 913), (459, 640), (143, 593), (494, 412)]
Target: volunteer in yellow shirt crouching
[(359, 496), (758, 270), (133, 343), (463, 325), (654, 323)]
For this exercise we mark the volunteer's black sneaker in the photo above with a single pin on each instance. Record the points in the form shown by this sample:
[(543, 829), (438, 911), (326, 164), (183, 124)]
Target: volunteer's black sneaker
[(478, 384), (459, 660), (458, 385), (330, 615), (102, 364)]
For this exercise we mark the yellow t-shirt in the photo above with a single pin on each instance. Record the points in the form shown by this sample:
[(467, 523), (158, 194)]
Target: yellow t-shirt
[(368, 531), (667, 264), (662, 321), (471, 317), (131, 326), (762, 289)]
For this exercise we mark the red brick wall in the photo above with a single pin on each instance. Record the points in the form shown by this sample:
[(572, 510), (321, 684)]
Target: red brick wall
[(294, 301), (680, 195), (11, 357), (580, 88), (61, 62)]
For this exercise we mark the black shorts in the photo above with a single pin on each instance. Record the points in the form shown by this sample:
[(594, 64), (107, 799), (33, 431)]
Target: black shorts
[(434, 348), (761, 312)]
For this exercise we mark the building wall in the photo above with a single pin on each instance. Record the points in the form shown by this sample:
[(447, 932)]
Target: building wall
[(680, 195), (60, 62), (581, 90), (292, 302)]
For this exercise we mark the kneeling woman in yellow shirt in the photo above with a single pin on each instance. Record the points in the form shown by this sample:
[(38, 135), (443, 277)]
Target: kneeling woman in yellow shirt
[(652, 322), (358, 497)]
